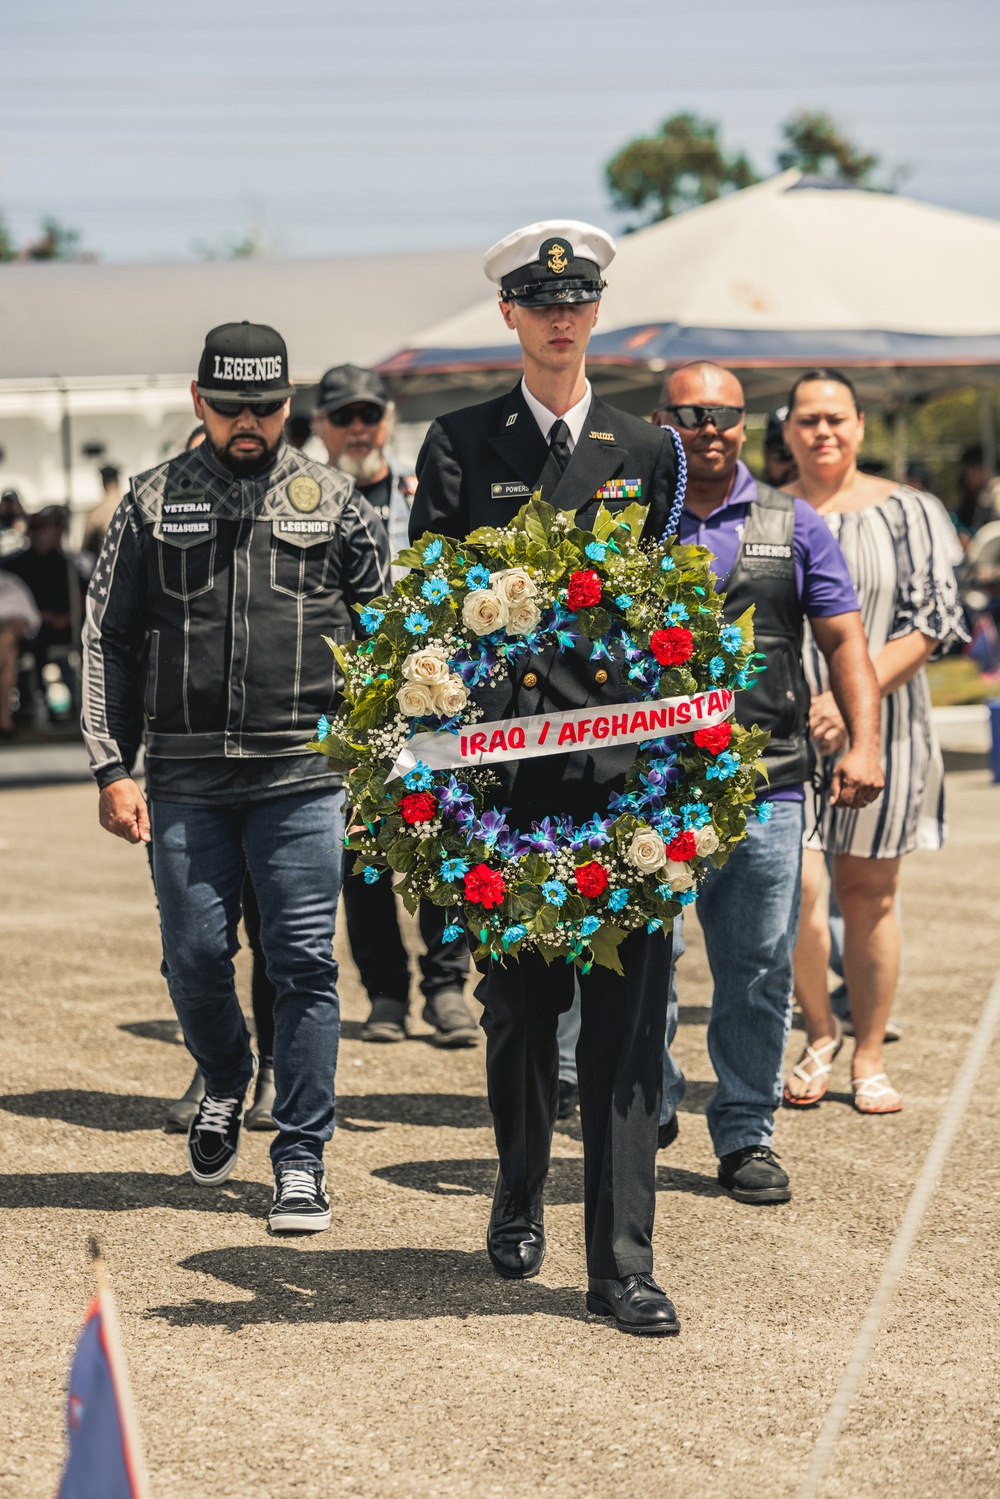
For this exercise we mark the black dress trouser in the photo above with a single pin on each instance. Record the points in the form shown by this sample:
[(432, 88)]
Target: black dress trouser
[(620, 1067), (377, 944)]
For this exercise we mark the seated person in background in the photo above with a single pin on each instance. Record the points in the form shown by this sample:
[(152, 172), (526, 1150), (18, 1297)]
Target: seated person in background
[(19, 619)]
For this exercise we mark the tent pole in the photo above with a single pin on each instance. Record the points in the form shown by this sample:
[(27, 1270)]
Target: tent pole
[(988, 431), (899, 453)]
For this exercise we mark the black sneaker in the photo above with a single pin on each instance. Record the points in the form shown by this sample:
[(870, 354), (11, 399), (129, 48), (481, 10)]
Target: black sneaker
[(667, 1133), (569, 1097), (452, 1020), (753, 1175), (301, 1204), (387, 1021), (214, 1136)]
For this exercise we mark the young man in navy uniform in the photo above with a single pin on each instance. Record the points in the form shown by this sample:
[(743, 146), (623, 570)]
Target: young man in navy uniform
[(478, 467)]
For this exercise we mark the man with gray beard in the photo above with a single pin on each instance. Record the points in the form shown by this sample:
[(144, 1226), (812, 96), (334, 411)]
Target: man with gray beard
[(354, 420)]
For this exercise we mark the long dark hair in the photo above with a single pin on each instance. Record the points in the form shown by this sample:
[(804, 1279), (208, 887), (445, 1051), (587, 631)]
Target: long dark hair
[(835, 375)]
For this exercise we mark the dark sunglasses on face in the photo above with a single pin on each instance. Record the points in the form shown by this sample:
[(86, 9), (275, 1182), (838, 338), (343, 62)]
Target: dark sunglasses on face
[(367, 412), (692, 417), (233, 408)]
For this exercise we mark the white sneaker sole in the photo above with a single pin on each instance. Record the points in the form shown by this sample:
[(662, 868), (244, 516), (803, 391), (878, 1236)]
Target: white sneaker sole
[(298, 1223), (217, 1177)]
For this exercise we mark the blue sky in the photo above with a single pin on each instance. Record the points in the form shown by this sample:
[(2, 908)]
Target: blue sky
[(336, 128)]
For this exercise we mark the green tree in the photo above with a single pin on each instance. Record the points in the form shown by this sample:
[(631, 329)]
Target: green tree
[(815, 144), (56, 242), (681, 166), (7, 250)]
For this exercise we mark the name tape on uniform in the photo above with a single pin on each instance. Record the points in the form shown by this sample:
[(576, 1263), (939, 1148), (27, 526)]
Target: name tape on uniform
[(561, 733)]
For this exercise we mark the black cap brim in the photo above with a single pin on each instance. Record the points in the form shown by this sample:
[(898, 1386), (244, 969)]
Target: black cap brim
[(248, 397), (552, 294)]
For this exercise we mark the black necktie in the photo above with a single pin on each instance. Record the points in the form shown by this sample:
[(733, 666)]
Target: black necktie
[(559, 444)]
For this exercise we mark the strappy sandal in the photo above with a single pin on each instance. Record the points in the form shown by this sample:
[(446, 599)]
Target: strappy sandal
[(872, 1090), (814, 1056)]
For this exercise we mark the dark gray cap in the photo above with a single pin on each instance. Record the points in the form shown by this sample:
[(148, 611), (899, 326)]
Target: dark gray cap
[(347, 383)]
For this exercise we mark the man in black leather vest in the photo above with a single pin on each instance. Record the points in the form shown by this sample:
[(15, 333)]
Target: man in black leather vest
[(774, 552)]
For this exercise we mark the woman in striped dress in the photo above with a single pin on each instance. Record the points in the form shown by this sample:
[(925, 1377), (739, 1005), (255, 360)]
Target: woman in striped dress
[(901, 550)]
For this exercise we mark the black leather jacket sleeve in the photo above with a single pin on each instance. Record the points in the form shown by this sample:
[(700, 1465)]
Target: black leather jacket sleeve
[(112, 653), (365, 554)]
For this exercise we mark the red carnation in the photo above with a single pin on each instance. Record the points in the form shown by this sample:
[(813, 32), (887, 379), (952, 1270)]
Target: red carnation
[(484, 886), (419, 806), (671, 647), (584, 590), (715, 739), (682, 848), (591, 879)]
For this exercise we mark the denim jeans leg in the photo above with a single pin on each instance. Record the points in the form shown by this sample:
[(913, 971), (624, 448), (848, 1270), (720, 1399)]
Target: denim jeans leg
[(294, 849), (674, 1081), (197, 863), (568, 1034), (749, 913)]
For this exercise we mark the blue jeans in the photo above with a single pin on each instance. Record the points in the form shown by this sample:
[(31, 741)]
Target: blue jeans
[(293, 848), (749, 914)]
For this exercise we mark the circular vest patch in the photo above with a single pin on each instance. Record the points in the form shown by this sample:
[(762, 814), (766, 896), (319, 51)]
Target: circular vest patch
[(304, 493)]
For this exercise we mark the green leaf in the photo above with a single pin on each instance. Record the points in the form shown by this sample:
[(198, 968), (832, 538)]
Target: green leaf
[(402, 854), (538, 518), (604, 944), (546, 920)]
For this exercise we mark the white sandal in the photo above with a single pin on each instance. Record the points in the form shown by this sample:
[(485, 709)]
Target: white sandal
[(813, 1055), (872, 1089)]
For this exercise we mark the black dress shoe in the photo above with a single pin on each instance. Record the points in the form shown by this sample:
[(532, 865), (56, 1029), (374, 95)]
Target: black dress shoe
[(753, 1175), (637, 1304), (667, 1133), (569, 1097), (515, 1239)]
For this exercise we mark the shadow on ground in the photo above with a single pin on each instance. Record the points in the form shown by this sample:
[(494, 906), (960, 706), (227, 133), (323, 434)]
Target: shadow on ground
[(563, 1187), (127, 1191), (118, 1112), (170, 1032), (360, 1285), (431, 1110)]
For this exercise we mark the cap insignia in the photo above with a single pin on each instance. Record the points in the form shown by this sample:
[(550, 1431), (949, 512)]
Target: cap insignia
[(304, 493), (557, 261)]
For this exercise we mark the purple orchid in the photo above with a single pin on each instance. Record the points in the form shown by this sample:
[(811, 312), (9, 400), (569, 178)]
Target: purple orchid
[(488, 827), (544, 836), (455, 799)]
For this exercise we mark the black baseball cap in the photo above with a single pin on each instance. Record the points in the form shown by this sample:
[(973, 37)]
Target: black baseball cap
[(244, 362), (347, 383), (774, 435)]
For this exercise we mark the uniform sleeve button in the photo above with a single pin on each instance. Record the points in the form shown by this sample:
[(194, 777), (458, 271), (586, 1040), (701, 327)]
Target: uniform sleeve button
[(601, 676), (529, 679)]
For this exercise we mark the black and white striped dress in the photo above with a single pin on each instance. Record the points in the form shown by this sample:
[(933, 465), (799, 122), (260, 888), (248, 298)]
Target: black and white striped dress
[(902, 555)]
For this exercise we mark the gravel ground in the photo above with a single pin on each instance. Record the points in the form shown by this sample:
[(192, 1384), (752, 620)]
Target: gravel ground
[(384, 1357)]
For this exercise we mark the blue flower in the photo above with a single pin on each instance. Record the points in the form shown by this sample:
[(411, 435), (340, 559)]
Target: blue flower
[(765, 811), (619, 802), (323, 727), (515, 933), (417, 624), (654, 925), (434, 590), (488, 827), (419, 778), (725, 765), (371, 619), (453, 869), (695, 815), (744, 677), (618, 900), (371, 875), (676, 614), (686, 897), (596, 551), (716, 668), (589, 925), (555, 892), (667, 565), (452, 932), (624, 601), (478, 577), (731, 638), (454, 798), (544, 836), (432, 551)]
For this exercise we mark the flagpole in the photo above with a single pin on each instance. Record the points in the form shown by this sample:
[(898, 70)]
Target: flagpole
[(134, 1456)]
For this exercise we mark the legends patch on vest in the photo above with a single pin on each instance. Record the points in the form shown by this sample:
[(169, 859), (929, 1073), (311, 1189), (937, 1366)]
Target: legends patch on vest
[(620, 489), (767, 549)]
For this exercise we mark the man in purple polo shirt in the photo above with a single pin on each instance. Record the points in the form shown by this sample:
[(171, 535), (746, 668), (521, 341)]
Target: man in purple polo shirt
[(775, 552)]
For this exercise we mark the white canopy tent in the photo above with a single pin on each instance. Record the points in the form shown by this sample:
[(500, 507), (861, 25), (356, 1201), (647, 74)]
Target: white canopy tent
[(783, 276)]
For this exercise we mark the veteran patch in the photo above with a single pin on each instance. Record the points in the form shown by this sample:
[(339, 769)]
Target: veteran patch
[(620, 489), (513, 490), (186, 502), (304, 493)]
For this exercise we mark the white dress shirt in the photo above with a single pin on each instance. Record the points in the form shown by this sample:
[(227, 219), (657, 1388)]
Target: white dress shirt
[(574, 417)]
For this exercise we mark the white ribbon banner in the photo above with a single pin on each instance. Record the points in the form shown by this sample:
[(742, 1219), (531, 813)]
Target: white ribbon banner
[(562, 733)]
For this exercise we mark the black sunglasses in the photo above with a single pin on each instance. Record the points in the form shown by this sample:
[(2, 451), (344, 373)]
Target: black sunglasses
[(692, 417), (233, 408), (365, 411)]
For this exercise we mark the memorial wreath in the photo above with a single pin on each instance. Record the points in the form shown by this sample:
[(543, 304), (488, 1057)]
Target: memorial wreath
[(410, 738)]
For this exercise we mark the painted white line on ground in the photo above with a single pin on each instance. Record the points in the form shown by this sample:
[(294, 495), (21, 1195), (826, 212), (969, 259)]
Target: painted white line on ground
[(951, 1121)]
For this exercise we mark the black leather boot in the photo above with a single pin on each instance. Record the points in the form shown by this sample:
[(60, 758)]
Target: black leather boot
[(515, 1239)]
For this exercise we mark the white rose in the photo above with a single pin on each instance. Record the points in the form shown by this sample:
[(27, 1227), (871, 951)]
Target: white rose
[(523, 618), (451, 697), (415, 699), (429, 666), (484, 611), (678, 876), (647, 851), (514, 586), (706, 840)]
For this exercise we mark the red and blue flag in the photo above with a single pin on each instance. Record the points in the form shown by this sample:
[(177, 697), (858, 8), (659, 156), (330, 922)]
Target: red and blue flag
[(102, 1461)]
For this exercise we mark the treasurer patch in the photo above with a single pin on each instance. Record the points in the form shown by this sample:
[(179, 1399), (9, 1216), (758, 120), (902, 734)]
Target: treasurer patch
[(304, 493), (620, 489), (185, 527)]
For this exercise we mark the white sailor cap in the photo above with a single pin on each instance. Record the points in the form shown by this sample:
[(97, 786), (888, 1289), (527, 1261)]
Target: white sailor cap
[(558, 260)]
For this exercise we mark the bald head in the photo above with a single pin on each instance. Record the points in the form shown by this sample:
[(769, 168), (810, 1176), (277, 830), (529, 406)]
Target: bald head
[(702, 384)]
